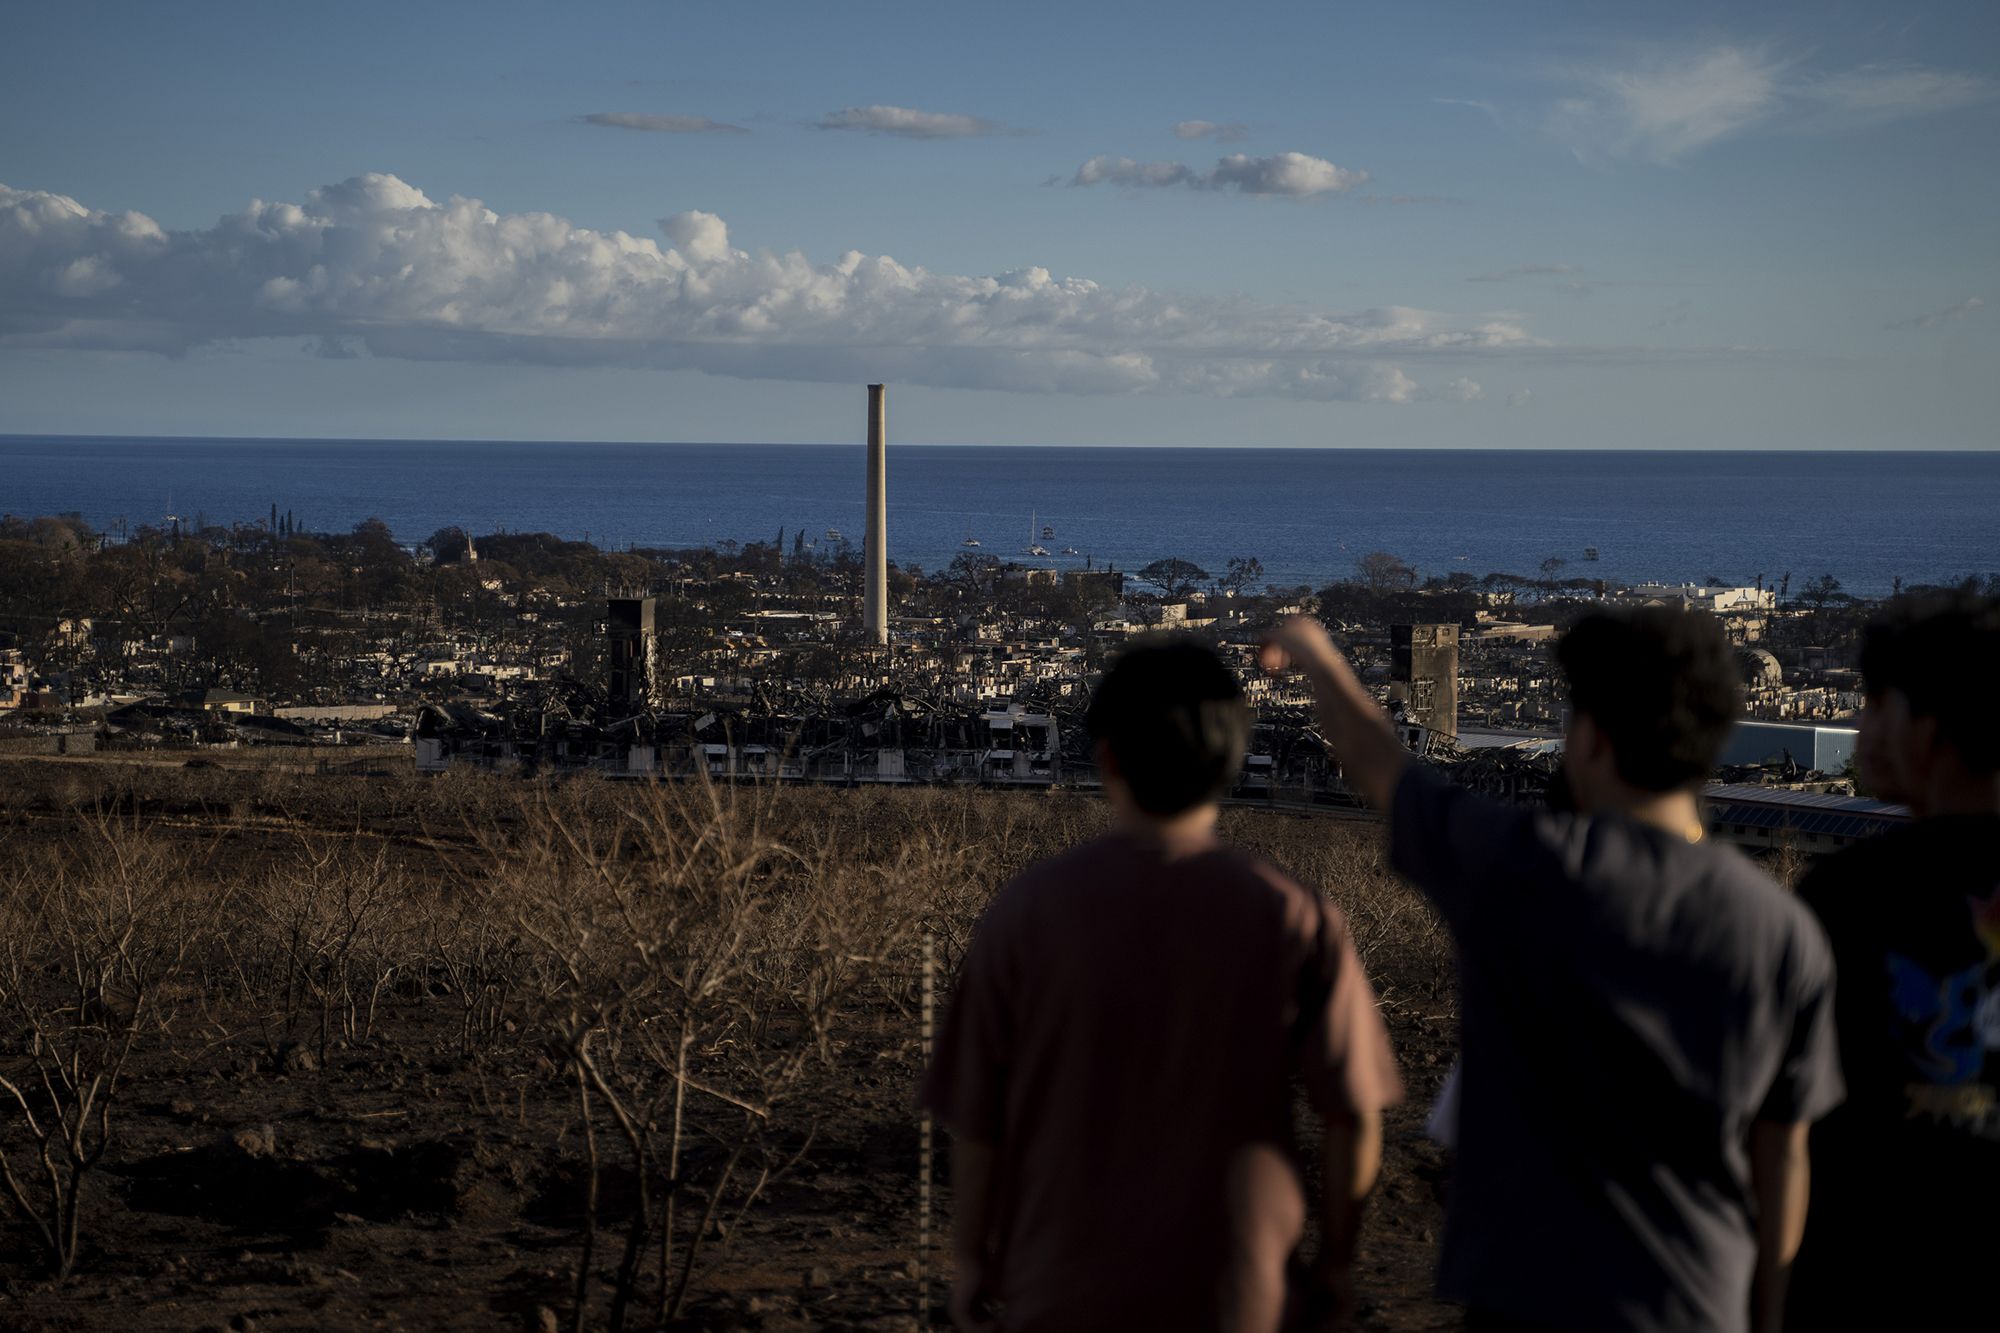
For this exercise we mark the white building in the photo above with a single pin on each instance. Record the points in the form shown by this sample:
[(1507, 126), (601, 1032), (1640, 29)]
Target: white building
[(1719, 601)]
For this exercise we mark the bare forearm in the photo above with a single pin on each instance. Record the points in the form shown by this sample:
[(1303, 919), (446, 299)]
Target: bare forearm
[(1363, 740), (1350, 1159), (1780, 1175)]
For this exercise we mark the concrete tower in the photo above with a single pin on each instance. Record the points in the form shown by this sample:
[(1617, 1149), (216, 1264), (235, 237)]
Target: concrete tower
[(875, 549), (1423, 673), (630, 653)]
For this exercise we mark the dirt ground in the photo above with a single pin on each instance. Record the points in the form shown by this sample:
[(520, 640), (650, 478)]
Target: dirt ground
[(399, 1183)]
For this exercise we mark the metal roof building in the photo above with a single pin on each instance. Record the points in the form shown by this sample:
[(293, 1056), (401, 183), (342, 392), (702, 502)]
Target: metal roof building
[(1811, 822)]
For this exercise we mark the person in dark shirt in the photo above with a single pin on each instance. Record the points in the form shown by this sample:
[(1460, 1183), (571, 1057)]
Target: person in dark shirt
[(1904, 1229), (1646, 1019), (1118, 1062)]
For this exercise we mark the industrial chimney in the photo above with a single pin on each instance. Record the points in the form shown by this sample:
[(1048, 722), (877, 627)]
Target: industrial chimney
[(875, 599)]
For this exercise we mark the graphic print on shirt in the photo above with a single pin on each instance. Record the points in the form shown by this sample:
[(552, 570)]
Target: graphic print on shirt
[(1936, 1020), (1946, 1027)]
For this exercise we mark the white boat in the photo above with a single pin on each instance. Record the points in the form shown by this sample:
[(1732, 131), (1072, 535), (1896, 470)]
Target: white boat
[(1034, 547), (970, 540), (833, 535), (1070, 550)]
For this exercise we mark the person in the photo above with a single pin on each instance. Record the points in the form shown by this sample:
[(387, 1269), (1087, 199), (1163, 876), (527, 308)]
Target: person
[(1645, 1018), (1901, 1232), (1118, 1061)]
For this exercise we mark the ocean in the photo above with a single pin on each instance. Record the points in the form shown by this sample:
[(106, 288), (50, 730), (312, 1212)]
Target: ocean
[(1306, 514)]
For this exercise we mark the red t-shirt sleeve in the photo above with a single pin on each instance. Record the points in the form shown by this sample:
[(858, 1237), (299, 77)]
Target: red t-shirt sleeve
[(966, 1083), (1345, 1058)]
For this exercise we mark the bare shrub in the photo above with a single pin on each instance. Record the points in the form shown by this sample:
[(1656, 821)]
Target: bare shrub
[(92, 947), (322, 943), (701, 968)]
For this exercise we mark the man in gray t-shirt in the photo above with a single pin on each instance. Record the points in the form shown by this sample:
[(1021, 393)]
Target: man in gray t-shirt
[(1647, 1018)]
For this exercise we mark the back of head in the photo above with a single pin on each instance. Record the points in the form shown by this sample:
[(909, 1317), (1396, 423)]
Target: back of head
[(1942, 654), (1175, 721), (1661, 684)]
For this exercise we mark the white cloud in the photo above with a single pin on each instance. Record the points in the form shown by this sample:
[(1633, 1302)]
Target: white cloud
[(1951, 314), (1668, 106), (1520, 397), (1285, 173), (910, 123), (1665, 104), (373, 262), (1224, 132), (1296, 175), (636, 120), (1463, 390), (1105, 169)]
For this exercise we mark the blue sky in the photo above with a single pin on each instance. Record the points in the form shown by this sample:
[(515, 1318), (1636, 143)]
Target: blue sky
[(1571, 225)]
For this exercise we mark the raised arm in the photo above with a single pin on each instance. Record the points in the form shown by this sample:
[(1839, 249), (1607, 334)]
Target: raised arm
[(1363, 741)]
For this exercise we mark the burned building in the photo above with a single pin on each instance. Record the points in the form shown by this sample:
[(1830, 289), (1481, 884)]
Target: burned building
[(630, 653), (1423, 675)]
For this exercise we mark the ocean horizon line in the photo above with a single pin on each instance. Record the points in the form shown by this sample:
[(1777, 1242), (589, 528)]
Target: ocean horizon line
[(13, 437)]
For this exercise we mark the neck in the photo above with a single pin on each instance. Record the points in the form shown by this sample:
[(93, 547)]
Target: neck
[(1194, 825), (1675, 812)]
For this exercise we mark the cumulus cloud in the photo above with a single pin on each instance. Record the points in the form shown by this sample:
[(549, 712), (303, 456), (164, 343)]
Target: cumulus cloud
[(1462, 390), (909, 123), (1224, 132), (1664, 104), (1105, 169), (1296, 175), (1520, 397), (374, 263), (1951, 314), (651, 124)]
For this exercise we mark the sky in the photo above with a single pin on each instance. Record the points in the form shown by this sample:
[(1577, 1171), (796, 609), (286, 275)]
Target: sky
[(1564, 225)]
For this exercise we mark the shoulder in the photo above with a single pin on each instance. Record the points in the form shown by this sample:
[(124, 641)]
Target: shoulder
[(1044, 881), (1769, 920)]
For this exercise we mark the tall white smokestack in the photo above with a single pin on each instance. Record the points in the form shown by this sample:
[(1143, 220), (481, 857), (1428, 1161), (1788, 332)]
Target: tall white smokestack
[(875, 600)]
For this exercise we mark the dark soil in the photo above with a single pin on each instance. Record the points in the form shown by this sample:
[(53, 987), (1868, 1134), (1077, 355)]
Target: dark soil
[(400, 1184)]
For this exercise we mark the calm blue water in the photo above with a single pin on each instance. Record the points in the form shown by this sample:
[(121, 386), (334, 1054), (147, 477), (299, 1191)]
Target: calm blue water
[(1307, 514)]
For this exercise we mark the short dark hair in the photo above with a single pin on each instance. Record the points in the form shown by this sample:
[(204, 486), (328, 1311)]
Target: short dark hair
[(1942, 653), (1661, 683), (1175, 720)]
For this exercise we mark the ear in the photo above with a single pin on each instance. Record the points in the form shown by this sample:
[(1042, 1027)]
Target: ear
[(1920, 733), (1585, 741)]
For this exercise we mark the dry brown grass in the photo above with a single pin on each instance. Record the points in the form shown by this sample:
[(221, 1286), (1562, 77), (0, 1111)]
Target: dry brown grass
[(688, 970)]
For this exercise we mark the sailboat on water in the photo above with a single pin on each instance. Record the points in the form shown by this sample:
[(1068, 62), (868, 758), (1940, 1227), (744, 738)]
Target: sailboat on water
[(1034, 547)]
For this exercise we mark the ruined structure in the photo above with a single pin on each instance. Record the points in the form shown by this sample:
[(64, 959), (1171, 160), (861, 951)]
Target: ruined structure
[(1423, 675), (630, 647)]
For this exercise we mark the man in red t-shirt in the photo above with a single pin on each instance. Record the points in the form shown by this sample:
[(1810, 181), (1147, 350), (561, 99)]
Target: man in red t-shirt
[(1118, 1064)]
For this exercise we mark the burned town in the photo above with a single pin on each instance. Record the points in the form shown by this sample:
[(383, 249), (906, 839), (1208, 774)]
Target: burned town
[(804, 658)]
